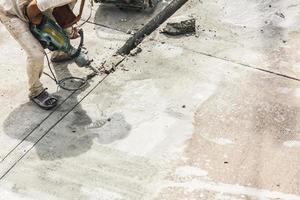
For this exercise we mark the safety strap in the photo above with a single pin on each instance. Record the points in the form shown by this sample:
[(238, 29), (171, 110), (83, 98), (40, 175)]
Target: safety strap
[(80, 10)]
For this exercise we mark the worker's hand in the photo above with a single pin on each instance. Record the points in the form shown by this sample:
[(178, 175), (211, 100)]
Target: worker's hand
[(74, 33), (33, 12)]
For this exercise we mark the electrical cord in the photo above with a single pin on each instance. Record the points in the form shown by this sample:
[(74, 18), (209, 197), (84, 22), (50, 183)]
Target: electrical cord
[(62, 83), (90, 15), (53, 77)]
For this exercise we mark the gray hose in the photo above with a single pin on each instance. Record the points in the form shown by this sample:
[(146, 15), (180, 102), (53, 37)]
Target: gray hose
[(152, 25)]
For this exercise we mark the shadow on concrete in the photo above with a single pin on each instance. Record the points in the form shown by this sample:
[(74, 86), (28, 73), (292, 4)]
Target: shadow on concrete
[(72, 136), (125, 20)]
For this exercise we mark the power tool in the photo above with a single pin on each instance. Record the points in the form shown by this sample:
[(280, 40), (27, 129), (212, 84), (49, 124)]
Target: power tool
[(52, 37)]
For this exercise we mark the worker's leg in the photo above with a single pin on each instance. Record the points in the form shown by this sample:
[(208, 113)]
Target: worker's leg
[(35, 52)]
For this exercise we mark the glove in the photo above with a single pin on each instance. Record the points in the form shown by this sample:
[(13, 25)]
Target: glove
[(33, 13)]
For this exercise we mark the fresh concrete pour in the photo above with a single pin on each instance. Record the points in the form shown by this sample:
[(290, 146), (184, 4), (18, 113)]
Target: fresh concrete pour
[(209, 116)]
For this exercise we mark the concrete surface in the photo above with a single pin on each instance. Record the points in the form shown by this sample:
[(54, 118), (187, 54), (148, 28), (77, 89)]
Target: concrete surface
[(187, 118)]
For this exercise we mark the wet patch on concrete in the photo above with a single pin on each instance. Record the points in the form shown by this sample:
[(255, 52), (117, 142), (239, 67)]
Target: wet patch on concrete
[(107, 129), (24, 119), (241, 133), (260, 121), (76, 136), (278, 120), (55, 146)]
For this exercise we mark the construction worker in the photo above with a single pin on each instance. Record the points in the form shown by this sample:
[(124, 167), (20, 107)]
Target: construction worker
[(16, 16)]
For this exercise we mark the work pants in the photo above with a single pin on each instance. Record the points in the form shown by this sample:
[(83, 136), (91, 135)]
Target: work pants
[(33, 49)]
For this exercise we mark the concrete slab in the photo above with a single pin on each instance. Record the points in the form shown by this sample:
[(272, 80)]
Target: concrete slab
[(183, 132), (254, 33), (171, 123), (123, 20), (20, 118)]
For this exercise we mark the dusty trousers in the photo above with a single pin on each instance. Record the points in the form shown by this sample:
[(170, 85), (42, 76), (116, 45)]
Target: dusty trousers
[(35, 53)]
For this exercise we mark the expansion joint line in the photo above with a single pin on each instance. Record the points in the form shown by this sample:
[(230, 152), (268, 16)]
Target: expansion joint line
[(46, 133), (131, 43), (36, 127), (246, 65)]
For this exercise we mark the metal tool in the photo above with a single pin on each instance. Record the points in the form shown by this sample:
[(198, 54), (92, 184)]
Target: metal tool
[(52, 37)]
